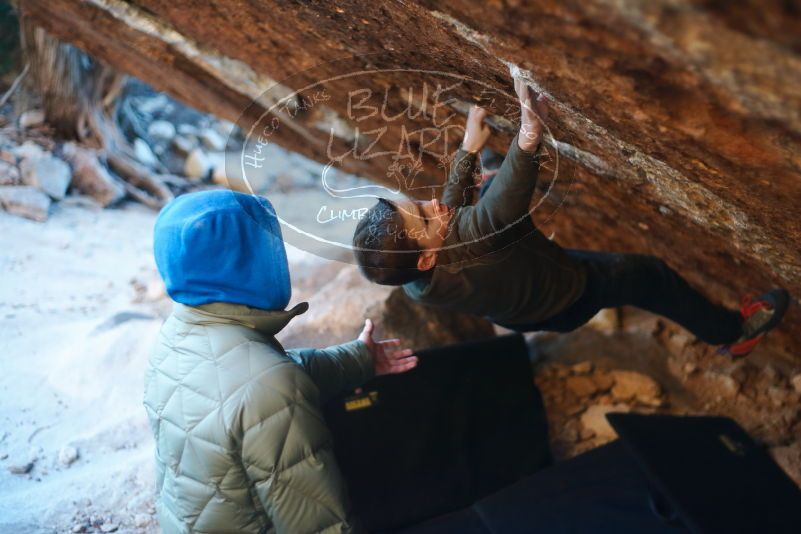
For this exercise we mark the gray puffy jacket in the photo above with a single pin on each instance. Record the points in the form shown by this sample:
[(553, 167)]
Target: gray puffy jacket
[(241, 445)]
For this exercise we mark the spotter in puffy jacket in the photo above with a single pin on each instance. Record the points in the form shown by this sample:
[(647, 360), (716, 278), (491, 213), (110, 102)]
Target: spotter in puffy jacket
[(241, 445)]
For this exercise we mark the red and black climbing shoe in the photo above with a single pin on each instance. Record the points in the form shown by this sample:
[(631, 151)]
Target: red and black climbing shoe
[(759, 315)]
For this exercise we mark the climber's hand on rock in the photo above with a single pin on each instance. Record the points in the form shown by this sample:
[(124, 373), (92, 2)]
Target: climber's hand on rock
[(533, 114), (388, 355), (476, 130)]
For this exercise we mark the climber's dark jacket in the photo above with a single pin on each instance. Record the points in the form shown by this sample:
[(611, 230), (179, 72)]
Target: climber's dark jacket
[(494, 262)]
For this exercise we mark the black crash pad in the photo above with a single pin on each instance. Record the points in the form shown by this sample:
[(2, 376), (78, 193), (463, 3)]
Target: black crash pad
[(465, 423), (600, 492)]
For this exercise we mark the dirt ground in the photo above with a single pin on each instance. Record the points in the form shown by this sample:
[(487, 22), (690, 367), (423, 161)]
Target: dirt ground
[(629, 360)]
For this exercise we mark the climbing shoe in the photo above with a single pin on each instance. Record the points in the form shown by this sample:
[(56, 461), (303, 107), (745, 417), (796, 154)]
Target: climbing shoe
[(758, 315)]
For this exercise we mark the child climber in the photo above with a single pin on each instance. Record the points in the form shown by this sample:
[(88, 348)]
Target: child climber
[(490, 260)]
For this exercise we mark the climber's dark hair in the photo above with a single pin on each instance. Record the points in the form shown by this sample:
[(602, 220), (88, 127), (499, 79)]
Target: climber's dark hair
[(384, 251)]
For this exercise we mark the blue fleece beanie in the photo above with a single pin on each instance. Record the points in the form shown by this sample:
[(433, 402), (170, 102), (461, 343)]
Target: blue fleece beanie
[(222, 246)]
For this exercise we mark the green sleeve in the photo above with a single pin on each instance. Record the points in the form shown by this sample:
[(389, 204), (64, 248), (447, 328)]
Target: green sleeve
[(336, 369), (460, 187), (509, 198)]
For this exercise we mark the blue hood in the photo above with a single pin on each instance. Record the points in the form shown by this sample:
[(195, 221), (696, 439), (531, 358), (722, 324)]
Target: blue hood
[(222, 246)]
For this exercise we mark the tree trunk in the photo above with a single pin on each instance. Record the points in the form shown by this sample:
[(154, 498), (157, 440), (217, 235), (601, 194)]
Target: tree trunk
[(78, 94), (79, 97)]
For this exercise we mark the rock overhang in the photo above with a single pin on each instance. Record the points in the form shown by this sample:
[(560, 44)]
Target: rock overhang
[(678, 124)]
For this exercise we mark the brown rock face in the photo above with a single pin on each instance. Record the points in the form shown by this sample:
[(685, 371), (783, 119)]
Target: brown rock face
[(677, 123)]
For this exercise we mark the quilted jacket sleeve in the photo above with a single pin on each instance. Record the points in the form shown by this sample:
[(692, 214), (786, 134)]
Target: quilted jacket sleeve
[(336, 369), (287, 455)]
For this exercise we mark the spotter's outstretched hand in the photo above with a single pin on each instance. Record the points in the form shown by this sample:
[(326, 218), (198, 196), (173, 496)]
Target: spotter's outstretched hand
[(388, 356)]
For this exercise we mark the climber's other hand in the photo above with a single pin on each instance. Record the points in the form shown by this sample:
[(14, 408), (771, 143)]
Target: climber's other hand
[(476, 130), (533, 114)]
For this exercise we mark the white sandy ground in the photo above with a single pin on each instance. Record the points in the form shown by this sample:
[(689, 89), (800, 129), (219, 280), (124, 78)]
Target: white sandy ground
[(75, 334)]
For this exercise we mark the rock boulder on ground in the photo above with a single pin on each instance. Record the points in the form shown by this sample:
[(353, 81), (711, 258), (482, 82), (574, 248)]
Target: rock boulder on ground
[(188, 130), (581, 386), (197, 165), (144, 154), (27, 150), (213, 140), (182, 145), (47, 173), (20, 469), (25, 201), (161, 129), (603, 380), (141, 520), (6, 156), (582, 368), (630, 385), (9, 174), (91, 177), (31, 118), (67, 455)]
